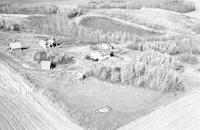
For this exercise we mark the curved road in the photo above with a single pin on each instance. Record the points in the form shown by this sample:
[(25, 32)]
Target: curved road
[(22, 109)]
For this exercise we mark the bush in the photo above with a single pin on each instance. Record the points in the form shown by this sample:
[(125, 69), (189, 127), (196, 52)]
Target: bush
[(157, 71), (169, 47), (162, 79), (172, 47), (72, 13), (105, 4), (56, 58), (10, 25), (188, 59), (150, 69), (41, 56)]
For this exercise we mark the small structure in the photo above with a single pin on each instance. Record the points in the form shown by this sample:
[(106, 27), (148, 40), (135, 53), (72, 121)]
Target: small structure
[(97, 56), (45, 65), (48, 43), (80, 76), (43, 44), (15, 45), (105, 46), (51, 42), (104, 109)]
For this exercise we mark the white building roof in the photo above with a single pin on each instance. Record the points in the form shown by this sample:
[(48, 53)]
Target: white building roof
[(45, 65), (15, 45)]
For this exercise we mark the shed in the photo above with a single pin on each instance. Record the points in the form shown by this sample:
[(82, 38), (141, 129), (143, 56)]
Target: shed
[(15, 45), (45, 65), (43, 44)]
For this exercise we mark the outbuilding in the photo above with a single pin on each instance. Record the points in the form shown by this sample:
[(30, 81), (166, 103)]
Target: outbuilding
[(45, 65), (17, 45)]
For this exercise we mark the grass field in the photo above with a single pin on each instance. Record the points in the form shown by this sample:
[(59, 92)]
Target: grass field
[(36, 1), (172, 5), (128, 59), (109, 25)]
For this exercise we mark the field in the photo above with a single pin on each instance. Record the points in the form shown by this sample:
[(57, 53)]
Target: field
[(111, 63)]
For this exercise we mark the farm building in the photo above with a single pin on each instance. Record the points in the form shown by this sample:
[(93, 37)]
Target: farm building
[(45, 65), (17, 45)]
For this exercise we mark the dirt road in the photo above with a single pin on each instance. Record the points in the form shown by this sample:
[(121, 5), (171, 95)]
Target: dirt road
[(21, 108)]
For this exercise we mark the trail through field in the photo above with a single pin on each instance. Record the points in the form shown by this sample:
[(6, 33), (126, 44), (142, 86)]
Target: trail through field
[(19, 107)]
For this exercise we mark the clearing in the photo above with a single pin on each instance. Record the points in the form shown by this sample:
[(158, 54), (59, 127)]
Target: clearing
[(109, 67)]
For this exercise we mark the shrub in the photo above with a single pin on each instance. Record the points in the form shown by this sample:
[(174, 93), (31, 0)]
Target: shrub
[(105, 4), (10, 25), (188, 59), (150, 69), (169, 47), (157, 71), (56, 58), (172, 47), (155, 58), (162, 79), (177, 6), (72, 13), (40, 56)]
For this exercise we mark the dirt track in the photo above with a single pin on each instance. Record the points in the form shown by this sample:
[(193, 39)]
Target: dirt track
[(20, 108)]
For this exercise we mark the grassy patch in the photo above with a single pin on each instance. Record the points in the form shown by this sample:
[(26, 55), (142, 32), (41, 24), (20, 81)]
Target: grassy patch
[(188, 58), (133, 19), (108, 25), (172, 5), (28, 8), (173, 46)]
